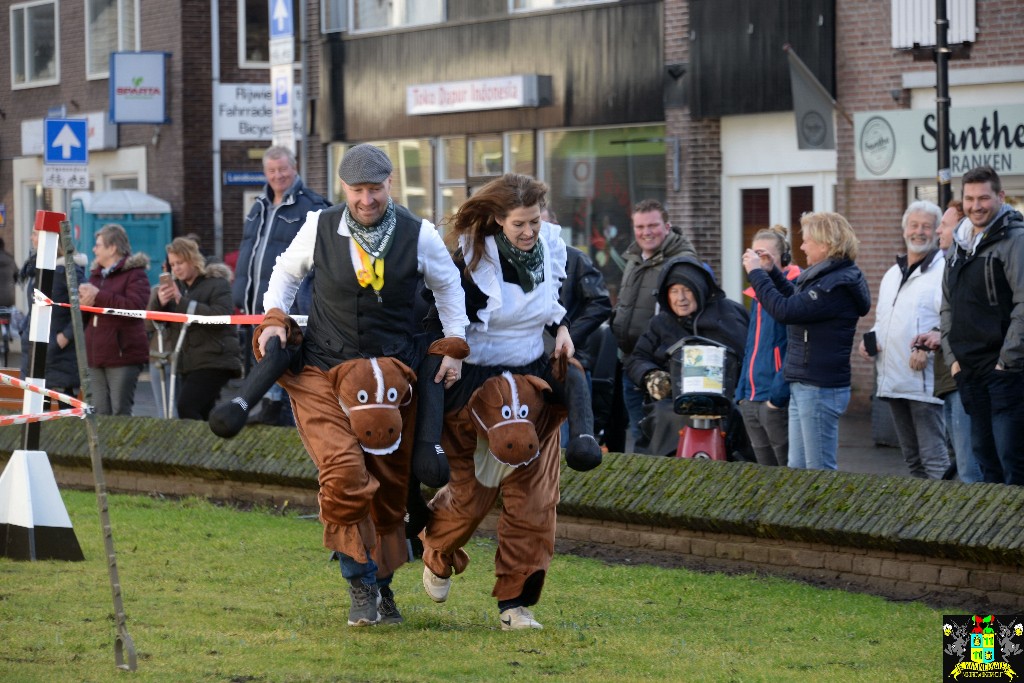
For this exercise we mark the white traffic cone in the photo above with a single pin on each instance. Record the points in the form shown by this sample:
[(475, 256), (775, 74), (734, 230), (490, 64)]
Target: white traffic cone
[(34, 524)]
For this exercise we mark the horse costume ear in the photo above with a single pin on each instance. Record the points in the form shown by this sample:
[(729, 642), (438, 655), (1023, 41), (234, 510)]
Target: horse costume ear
[(537, 383), (338, 373), (401, 367)]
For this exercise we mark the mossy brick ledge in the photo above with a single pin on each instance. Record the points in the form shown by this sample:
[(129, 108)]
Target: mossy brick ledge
[(973, 522)]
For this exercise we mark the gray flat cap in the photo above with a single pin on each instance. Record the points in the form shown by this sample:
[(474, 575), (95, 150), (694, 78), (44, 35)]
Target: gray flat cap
[(365, 164)]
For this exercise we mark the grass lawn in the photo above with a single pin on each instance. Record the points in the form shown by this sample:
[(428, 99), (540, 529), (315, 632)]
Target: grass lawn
[(217, 594)]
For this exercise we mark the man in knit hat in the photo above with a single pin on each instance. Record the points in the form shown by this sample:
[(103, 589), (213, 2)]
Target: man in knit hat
[(370, 255)]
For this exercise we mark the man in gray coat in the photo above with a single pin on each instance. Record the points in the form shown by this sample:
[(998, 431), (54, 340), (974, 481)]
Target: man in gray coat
[(272, 223), (656, 241)]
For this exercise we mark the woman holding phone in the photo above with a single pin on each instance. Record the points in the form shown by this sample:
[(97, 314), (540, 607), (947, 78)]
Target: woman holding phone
[(209, 356), (820, 309)]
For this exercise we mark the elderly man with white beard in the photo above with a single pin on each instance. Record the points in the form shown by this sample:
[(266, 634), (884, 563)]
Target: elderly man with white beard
[(909, 303)]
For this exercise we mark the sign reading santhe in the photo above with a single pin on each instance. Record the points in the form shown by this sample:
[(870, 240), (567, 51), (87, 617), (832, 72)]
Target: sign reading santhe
[(904, 143)]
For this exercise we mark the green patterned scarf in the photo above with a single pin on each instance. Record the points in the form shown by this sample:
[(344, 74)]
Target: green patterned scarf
[(529, 265)]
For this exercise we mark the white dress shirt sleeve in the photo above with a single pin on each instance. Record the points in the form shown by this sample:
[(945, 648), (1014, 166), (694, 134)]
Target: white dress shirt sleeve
[(442, 278), (291, 266)]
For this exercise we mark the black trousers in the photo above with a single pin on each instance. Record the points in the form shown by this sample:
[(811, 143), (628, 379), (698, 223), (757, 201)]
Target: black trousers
[(198, 392)]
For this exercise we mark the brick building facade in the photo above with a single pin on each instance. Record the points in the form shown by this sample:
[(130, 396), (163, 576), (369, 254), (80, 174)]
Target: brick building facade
[(616, 106), (871, 75)]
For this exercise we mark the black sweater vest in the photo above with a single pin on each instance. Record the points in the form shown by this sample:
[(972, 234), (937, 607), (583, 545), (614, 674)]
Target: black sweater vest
[(349, 321)]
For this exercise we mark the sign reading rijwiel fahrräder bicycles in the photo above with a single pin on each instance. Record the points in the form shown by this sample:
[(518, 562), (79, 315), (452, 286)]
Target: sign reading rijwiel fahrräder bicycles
[(903, 143)]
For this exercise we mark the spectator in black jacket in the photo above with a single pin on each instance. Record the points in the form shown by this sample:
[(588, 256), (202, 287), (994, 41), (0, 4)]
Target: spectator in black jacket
[(583, 294), (586, 301), (691, 304)]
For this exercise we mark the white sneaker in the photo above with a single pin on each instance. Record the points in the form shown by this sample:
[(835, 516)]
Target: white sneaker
[(518, 618), (437, 587)]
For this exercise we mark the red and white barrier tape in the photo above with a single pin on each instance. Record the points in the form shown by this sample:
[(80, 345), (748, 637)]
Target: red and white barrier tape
[(6, 420), (167, 317), (79, 410), (49, 393)]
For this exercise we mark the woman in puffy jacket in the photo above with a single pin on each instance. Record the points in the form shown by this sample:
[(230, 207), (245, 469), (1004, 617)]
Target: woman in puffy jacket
[(209, 355), (116, 346), (820, 309)]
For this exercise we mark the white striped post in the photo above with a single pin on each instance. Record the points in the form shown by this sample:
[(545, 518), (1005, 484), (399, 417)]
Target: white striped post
[(48, 226), (34, 524)]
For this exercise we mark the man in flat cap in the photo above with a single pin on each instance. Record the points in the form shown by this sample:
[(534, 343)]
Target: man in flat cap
[(370, 255)]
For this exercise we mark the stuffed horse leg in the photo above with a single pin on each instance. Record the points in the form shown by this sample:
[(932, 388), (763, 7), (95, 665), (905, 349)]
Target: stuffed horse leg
[(429, 462), (227, 419), (582, 453)]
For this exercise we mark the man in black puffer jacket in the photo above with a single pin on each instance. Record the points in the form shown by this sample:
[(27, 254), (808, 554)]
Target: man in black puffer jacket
[(983, 324)]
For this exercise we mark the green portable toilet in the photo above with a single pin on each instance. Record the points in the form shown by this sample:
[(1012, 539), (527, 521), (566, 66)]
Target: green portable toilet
[(146, 219)]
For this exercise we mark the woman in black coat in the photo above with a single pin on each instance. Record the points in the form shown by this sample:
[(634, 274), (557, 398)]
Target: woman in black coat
[(209, 356)]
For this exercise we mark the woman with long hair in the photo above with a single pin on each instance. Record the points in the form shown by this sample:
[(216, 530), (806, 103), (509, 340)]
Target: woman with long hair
[(209, 355), (512, 264)]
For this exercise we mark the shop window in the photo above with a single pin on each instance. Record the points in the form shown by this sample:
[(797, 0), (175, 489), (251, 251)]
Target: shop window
[(595, 177), (379, 15), (536, 5), (520, 152), (485, 156), (110, 26), (35, 54), (254, 33), (452, 189)]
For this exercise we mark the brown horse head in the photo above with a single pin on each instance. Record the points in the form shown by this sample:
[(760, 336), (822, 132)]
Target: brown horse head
[(371, 391), (505, 410)]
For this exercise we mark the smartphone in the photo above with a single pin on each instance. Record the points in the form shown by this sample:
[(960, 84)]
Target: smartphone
[(871, 343), (165, 278)]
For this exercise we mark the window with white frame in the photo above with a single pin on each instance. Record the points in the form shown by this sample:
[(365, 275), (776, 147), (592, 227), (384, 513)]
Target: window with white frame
[(35, 54), (110, 26), (913, 23), (333, 16), (536, 5), (254, 32), (378, 15)]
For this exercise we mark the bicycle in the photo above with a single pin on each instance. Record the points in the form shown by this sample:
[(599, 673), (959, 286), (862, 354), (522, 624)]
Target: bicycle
[(6, 315)]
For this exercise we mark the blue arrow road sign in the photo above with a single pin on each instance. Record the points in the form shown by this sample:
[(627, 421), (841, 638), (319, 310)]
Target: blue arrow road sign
[(66, 141), (281, 24)]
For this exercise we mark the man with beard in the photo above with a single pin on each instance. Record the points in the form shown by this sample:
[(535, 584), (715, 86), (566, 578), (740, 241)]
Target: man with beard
[(983, 324), (909, 301), (370, 255)]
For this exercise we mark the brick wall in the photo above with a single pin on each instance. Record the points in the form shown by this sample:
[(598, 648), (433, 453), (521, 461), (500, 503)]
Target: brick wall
[(893, 574), (697, 206)]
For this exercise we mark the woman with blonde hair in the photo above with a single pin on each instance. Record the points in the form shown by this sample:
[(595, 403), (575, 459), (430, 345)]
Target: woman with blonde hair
[(762, 393), (820, 309), (209, 355)]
